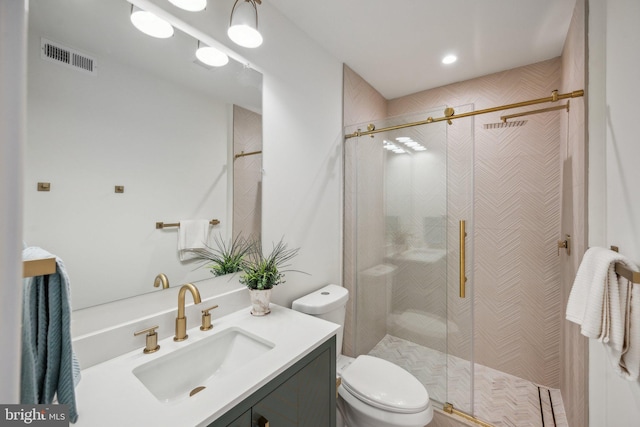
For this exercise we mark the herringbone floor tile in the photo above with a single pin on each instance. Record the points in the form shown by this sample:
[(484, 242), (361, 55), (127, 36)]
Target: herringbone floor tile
[(499, 398)]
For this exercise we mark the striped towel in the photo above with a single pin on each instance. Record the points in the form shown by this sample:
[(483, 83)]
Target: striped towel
[(49, 366)]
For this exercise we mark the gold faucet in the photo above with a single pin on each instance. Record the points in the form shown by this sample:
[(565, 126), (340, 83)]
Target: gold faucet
[(161, 279), (181, 320)]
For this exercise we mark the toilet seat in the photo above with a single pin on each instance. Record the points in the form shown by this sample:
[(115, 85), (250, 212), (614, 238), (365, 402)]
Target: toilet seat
[(383, 385)]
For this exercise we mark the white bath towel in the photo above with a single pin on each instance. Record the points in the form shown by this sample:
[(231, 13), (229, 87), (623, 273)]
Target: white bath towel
[(607, 308), (193, 234)]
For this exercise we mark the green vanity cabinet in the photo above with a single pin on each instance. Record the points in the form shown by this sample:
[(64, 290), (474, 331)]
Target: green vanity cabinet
[(302, 396)]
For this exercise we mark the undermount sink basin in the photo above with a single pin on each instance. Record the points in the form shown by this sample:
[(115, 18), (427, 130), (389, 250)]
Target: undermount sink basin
[(186, 371)]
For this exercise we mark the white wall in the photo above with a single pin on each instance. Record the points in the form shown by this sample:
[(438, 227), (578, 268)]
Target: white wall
[(13, 40), (302, 159), (614, 150), (166, 144)]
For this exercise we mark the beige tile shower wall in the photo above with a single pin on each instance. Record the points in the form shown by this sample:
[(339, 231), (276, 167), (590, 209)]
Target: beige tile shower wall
[(573, 346), (361, 103), (247, 173), (515, 279)]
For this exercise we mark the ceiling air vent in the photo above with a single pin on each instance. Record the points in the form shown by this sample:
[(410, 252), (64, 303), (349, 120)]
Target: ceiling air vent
[(55, 52)]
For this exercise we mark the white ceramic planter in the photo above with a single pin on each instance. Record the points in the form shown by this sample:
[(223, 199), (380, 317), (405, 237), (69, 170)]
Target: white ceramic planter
[(260, 301)]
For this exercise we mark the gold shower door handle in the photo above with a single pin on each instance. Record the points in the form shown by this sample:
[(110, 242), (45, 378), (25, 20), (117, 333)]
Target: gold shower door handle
[(463, 276)]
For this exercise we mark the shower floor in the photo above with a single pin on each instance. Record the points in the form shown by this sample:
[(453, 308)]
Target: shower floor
[(499, 398)]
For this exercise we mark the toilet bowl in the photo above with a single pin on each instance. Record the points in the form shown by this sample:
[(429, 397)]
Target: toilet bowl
[(374, 392)]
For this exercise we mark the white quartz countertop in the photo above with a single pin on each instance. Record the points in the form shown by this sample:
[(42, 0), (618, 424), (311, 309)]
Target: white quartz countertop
[(109, 394)]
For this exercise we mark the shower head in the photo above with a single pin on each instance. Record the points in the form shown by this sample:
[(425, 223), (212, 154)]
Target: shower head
[(505, 124)]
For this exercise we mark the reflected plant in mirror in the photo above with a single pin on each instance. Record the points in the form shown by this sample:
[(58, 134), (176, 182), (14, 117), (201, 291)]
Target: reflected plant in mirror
[(225, 258)]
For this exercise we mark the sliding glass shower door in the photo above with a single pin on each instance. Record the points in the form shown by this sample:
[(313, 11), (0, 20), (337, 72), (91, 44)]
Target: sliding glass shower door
[(406, 191)]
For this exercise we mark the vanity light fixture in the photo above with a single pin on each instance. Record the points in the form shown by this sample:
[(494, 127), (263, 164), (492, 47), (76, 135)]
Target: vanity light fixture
[(243, 24), (150, 24), (449, 59), (211, 56), (190, 5)]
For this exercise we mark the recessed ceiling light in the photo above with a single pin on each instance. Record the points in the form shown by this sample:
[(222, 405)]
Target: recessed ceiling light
[(449, 59)]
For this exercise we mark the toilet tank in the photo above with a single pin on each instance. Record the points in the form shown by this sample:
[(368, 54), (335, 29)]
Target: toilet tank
[(328, 303)]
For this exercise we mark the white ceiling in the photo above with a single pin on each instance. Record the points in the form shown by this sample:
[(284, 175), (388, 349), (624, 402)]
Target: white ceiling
[(397, 46)]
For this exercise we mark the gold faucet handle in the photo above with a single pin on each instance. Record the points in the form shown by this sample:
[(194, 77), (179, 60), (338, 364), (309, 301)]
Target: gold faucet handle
[(206, 319), (152, 339)]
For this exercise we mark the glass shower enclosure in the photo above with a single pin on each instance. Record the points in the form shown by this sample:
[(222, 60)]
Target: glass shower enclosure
[(407, 193)]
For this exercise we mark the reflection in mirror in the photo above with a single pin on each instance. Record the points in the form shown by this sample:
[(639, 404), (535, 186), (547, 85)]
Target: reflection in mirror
[(144, 115)]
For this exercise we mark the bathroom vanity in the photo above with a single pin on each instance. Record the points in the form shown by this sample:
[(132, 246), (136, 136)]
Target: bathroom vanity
[(280, 367), (302, 396)]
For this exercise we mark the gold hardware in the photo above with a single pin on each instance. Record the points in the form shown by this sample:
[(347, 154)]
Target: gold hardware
[(449, 112), (119, 189), (196, 390), (449, 409), (371, 127), (44, 186), (552, 98), (621, 270), (160, 225), (181, 320), (38, 267), (152, 339), (463, 275), (554, 95), (263, 422), (338, 383), (566, 244), (206, 319), (243, 154), (161, 279), (529, 113)]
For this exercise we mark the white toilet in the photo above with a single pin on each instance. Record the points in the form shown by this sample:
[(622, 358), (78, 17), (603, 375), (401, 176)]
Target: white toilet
[(374, 392)]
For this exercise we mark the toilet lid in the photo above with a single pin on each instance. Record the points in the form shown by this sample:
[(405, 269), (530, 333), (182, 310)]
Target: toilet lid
[(384, 385)]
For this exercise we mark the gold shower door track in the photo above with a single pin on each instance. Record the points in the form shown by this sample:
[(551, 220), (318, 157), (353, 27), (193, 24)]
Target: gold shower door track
[(449, 409), (449, 113)]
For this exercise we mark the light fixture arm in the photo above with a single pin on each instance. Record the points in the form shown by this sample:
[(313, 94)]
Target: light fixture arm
[(252, 2)]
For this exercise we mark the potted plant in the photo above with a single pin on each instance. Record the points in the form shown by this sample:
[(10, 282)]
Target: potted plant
[(260, 273), (224, 258)]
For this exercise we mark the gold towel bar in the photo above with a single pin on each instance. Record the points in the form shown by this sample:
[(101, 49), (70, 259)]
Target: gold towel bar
[(177, 224), (632, 276), (38, 267), (621, 270), (243, 154)]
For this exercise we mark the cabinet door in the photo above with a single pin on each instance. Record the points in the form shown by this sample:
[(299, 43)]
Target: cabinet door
[(304, 400), (243, 420), (279, 408)]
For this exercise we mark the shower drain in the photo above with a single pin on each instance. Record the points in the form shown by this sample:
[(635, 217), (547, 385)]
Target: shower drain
[(546, 407)]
